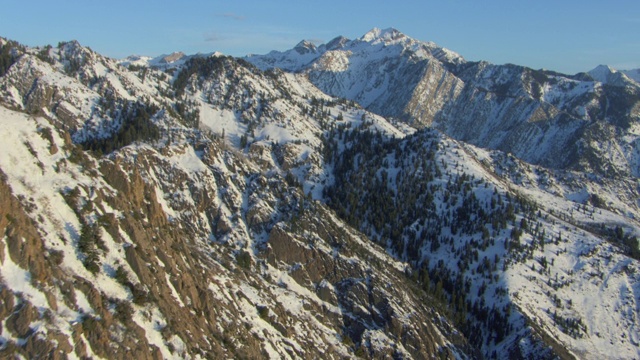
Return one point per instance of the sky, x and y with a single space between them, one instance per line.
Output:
568 36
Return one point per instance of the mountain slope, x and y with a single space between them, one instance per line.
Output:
497 251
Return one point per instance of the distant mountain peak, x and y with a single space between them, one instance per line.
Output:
305 53
378 35
173 60
72 43
74 46
337 43
608 75
173 57
603 67
602 70
305 47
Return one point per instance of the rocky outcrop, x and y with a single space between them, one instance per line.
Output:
362 291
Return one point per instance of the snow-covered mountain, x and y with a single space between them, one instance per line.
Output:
375 45
165 62
543 117
203 207
610 76
633 74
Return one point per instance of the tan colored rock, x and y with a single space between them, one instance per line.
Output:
19 322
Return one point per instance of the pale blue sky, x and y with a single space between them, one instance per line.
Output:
563 35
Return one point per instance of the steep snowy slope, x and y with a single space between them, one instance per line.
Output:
521 268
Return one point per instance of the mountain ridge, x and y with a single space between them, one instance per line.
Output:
426 85
390 37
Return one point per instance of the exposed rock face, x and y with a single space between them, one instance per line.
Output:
173 57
